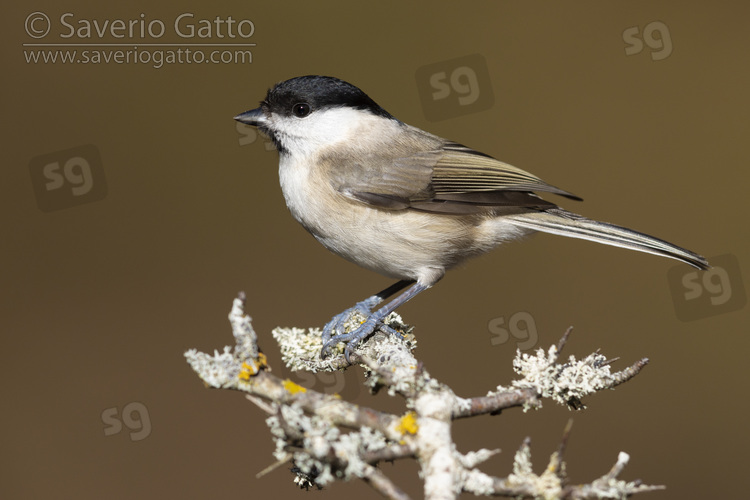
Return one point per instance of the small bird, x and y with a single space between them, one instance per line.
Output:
402 202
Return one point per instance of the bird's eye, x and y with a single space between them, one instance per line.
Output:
301 109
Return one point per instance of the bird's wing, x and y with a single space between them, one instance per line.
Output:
444 178
462 170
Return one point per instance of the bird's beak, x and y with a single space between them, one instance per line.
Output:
254 117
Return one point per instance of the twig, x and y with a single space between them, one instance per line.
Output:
383 485
564 339
497 402
327 438
628 373
390 453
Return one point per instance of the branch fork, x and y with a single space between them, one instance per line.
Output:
326 438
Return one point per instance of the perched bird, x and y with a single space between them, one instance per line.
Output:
402 202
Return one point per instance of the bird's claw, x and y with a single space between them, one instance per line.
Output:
337 324
352 339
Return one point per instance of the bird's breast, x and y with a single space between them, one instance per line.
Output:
402 244
309 198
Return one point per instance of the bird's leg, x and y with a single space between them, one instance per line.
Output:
336 325
374 320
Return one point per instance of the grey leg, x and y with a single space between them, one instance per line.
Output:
374 320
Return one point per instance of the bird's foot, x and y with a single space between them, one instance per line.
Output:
337 325
333 331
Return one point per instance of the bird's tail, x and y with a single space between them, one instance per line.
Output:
562 222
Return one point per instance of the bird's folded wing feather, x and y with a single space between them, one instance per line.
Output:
449 178
464 170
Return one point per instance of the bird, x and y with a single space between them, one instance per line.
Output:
403 202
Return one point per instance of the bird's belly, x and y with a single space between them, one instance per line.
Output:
401 244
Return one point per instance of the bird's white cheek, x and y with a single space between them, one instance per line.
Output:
323 129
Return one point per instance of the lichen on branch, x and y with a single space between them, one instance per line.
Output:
325 438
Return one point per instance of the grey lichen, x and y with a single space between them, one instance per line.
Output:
321 452
300 348
218 371
474 458
548 485
223 369
565 383
328 439
246 340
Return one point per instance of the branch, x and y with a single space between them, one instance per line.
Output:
326 438
565 383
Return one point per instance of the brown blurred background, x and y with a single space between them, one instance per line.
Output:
641 108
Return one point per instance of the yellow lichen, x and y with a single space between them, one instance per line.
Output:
248 371
292 387
408 424
252 367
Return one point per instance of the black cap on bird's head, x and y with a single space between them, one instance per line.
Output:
303 95
319 92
